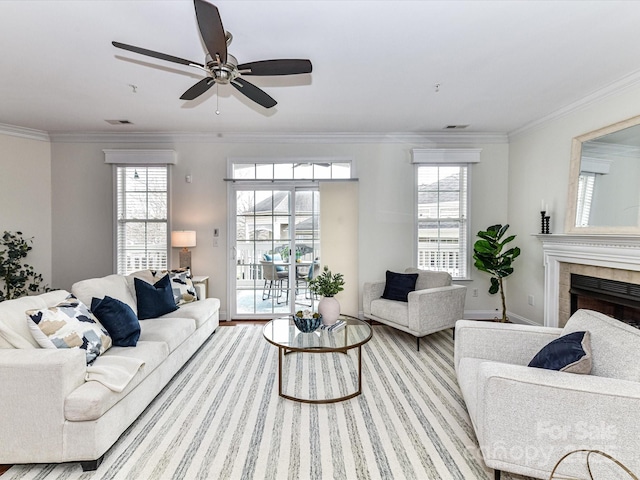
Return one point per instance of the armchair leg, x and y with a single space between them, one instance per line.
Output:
91 465
417 344
496 474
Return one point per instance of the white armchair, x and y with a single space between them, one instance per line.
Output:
527 418
435 304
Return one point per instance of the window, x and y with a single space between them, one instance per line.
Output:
304 169
142 199
442 205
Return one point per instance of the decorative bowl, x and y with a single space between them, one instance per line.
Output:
307 325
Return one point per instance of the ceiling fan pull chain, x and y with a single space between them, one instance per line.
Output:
217 101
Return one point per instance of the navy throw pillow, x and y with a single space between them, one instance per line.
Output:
119 320
154 300
569 353
398 286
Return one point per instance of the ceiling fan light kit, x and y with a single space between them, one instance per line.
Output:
221 67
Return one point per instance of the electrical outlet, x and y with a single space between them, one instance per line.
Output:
475 292
531 300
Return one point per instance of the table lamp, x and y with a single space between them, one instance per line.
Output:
184 239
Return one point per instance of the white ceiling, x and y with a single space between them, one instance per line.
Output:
501 64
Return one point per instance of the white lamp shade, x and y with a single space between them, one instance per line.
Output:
183 238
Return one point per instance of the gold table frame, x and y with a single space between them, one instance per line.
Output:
287 349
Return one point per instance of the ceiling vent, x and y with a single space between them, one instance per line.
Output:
118 122
455 127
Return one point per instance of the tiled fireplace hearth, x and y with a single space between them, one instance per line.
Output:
612 257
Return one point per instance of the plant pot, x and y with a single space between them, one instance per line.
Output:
329 308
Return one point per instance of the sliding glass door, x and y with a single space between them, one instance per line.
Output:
275 252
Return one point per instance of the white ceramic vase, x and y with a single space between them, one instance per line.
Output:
329 308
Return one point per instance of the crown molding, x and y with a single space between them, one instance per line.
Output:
24 132
427 138
613 88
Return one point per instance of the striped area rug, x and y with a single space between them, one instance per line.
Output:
221 417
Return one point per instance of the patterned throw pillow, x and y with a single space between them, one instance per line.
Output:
69 324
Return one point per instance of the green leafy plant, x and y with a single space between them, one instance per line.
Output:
327 284
489 257
19 278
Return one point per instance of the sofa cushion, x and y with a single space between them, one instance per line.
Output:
113 285
570 353
119 320
397 312
430 279
69 324
92 399
398 285
13 326
615 346
172 331
154 300
199 311
14 330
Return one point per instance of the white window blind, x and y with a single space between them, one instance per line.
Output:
586 183
142 200
442 219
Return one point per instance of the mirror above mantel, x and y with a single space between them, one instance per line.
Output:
604 181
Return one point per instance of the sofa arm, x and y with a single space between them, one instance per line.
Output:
502 342
435 309
370 292
35 384
528 418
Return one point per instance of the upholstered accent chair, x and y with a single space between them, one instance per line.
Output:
526 419
435 304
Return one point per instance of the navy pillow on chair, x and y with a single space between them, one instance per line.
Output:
154 300
119 320
569 353
399 285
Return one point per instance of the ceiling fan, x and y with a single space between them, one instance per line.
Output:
221 67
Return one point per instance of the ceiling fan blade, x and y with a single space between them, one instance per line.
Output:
151 53
211 29
276 67
253 93
198 89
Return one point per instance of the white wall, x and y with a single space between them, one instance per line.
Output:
25 196
82 206
539 169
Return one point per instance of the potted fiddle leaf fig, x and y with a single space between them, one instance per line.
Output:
17 278
491 256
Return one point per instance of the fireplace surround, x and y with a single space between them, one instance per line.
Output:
614 257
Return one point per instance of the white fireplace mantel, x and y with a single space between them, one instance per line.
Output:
612 251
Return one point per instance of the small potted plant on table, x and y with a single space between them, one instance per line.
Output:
327 285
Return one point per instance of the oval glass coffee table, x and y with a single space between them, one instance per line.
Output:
283 333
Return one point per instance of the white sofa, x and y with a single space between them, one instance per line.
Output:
435 304
51 413
527 418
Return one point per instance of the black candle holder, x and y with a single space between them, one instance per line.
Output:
545 220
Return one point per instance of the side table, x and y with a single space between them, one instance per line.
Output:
201 282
